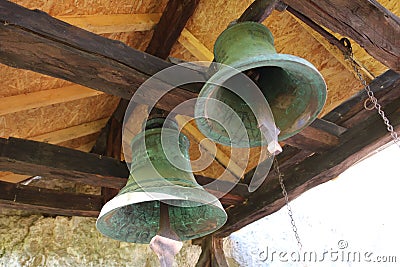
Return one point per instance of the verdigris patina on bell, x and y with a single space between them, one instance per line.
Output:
294 89
134 214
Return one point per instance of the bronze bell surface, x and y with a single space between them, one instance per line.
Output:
293 88
134 214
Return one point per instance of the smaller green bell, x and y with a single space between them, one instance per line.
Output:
291 88
134 214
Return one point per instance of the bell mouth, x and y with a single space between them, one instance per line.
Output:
134 216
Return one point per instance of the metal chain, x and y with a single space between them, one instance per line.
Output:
289 208
371 97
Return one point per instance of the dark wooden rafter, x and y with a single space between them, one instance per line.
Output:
259 10
23 197
33 40
367 22
357 142
36 158
170 26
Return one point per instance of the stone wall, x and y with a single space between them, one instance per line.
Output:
35 240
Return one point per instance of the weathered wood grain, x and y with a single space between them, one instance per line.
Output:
170 26
365 21
43 200
35 158
33 40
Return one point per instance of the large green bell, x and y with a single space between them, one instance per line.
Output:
134 214
292 86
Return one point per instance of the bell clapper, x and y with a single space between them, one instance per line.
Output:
166 244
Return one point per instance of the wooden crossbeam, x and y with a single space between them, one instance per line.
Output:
12 104
43 200
36 158
195 47
366 21
385 88
60 136
320 136
362 138
33 158
136 22
35 41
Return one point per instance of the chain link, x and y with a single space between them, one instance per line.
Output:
289 208
371 97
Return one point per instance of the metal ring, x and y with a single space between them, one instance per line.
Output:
366 104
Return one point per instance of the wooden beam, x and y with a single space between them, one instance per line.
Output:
320 136
33 40
258 11
37 199
12 177
35 158
356 143
113 22
331 44
170 26
385 88
17 103
365 21
58 137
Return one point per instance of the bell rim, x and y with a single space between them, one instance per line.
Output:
131 198
271 60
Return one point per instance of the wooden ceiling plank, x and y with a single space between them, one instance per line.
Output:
43 200
17 103
113 23
169 27
195 47
333 49
13 178
367 22
70 133
356 143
